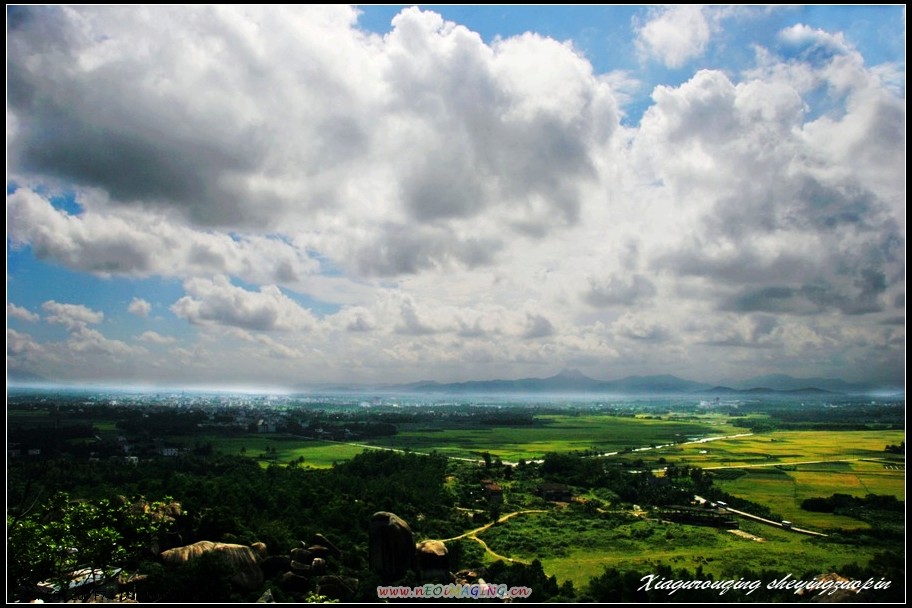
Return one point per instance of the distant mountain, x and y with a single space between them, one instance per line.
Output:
784 382
653 384
567 381
571 381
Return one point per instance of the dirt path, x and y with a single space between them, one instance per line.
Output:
503 518
473 534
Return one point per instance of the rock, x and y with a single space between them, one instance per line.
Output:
342 588
260 549
321 540
433 561
294 583
318 566
302 555
319 551
275 564
392 546
266 598
299 568
242 559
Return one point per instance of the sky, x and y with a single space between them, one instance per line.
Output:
287 195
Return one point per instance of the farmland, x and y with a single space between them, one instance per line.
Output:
575 546
555 433
624 469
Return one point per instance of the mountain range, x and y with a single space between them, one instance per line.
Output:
574 381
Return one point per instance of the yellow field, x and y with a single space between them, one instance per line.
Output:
785 447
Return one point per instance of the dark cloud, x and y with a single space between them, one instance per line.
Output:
864 297
412 324
360 324
537 326
404 249
900 321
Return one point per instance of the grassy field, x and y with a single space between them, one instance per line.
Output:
785 447
783 491
578 548
316 454
554 433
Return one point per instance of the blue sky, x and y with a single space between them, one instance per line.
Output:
284 196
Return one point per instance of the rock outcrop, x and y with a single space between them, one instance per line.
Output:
433 561
392 546
243 560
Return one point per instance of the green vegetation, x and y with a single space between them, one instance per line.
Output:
279 449
581 515
553 433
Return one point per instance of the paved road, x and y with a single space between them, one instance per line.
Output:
763 520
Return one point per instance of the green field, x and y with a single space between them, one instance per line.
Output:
577 548
553 433
783 491
781 469
785 447
316 454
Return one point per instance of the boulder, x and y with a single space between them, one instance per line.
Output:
294 583
342 588
319 551
392 546
243 560
318 566
433 561
275 564
261 550
302 555
322 541
299 568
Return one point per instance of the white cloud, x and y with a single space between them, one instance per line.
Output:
139 307
156 338
20 346
675 35
142 244
472 208
72 316
23 314
398 141
218 302
85 340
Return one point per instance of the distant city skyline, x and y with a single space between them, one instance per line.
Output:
277 196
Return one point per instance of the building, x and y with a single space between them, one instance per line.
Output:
492 491
555 492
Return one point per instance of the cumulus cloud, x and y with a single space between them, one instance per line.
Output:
454 206
537 326
21 346
156 338
139 307
675 35
85 340
217 302
619 290
72 316
142 244
23 314
635 327
427 125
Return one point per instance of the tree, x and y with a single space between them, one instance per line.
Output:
51 542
